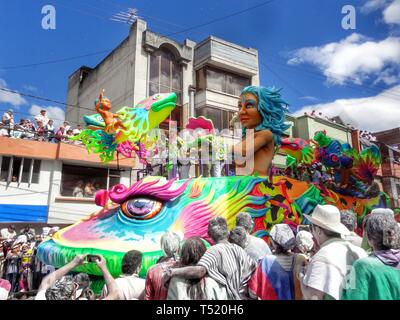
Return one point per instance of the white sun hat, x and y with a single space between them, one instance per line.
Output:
328 217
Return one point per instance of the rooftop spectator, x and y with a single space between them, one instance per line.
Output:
66 125
42 117
40 130
77 130
8 117
60 135
49 129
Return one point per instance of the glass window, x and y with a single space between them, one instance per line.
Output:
201 79
5 164
165 78
15 169
19 164
77 181
114 178
213 114
220 118
154 68
153 89
36 171
176 76
229 83
215 80
165 73
26 170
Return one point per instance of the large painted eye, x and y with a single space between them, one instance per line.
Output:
141 208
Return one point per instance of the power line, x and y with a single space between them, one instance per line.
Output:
219 19
54 61
294 89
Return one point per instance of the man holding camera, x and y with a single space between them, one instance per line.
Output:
59 286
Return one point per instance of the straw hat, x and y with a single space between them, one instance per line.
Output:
328 217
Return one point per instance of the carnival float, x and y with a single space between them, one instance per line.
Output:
135 216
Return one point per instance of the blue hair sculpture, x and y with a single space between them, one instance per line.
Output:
272 109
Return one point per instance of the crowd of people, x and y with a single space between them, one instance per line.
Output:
323 260
41 128
19 268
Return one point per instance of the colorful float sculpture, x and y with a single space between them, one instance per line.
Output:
135 217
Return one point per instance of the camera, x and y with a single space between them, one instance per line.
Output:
92 258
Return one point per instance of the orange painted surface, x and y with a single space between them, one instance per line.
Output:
54 151
28 148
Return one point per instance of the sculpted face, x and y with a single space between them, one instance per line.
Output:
248 111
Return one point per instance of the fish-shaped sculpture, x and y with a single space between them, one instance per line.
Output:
136 122
135 217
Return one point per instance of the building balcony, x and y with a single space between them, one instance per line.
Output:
223 54
24 148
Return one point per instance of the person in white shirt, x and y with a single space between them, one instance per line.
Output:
130 286
42 117
326 275
8 233
77 130
66 126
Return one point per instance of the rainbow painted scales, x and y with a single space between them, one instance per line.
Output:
143 212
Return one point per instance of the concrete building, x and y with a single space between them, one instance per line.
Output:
208 76
389 145
39 181
42 182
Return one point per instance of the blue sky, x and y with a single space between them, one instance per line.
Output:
302 48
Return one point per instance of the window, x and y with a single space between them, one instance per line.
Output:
19 170
398 190
220 118
166 76
77 181
222 81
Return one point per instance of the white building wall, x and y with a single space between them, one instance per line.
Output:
33 194
67 210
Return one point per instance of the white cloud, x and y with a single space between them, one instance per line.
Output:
355 59
14 99
309 98
29 87
377 113
55 113
392 13
373 5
